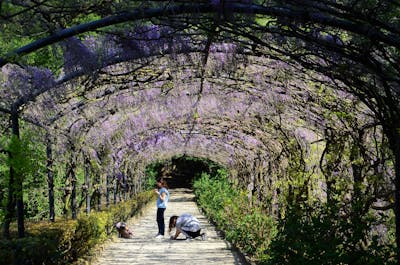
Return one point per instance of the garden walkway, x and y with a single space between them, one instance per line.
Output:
145 249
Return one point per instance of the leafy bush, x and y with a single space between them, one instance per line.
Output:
324 237
30 250
243 222
64 242
315 235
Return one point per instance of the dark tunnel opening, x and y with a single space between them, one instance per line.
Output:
181 171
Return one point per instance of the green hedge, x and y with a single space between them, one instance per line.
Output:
66 241
244 224
318 235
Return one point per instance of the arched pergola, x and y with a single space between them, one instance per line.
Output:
247 84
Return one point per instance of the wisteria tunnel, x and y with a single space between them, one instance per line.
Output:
297 100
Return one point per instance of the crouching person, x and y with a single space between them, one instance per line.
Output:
123 230
186 224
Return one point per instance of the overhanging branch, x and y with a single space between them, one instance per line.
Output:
300 14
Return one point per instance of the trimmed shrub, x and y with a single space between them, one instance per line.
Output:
244 224
66 241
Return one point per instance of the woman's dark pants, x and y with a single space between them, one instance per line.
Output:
160 221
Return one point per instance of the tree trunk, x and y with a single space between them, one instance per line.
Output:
108 190
10 209
98 192
87 185
394 139
73 196
73 182
50 178
115 182
18 180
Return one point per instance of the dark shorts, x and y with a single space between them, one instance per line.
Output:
192 234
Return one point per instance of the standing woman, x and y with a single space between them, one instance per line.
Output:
162 201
